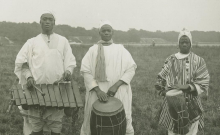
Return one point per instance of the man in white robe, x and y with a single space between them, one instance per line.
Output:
45 59
107 69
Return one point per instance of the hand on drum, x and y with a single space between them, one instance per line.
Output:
102 96
184 88
112 90
30 82
67 75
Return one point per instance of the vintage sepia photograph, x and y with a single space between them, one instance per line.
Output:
109 67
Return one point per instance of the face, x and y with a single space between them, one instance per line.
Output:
47 22
184 44
106 32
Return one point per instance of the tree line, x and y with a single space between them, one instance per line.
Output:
20 32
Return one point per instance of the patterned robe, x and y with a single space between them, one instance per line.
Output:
189 70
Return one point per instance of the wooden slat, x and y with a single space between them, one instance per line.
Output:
21 94
52 95
16 95
28 95
58 95
70 94
64 95
77 95
34 96
40 97
47 96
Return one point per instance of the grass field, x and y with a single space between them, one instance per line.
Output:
145 101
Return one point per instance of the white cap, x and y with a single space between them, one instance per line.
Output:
104 22
48 12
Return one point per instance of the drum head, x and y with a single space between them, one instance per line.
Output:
174 92
111 106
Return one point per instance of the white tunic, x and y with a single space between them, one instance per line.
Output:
119 66
47 61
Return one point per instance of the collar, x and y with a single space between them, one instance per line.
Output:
45 35
105 42
181 55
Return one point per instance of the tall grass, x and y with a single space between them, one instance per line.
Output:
145 100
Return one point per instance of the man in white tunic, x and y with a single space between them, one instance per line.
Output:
45 59
107 69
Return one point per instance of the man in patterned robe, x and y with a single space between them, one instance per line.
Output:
187 72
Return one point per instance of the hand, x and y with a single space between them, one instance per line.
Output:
112 90
184 88
67 75
30 82
157 86
102 96
68 111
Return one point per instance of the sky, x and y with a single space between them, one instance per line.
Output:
151 15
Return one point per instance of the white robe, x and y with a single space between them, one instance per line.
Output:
119 66
46 62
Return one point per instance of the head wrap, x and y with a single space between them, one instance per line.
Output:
187 33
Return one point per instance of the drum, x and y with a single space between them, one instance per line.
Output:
182 110
108 118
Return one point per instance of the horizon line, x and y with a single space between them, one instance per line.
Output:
113 29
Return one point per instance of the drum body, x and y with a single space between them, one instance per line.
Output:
183 110
108 118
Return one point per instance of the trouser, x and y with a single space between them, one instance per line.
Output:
51 118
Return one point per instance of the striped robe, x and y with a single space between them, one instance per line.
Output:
189 70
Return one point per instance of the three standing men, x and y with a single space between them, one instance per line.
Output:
45 59
107 69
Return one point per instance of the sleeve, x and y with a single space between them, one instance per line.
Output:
201 78
130 67
128 75
22 58
25 71
86 71
69 59
89 81
166 68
